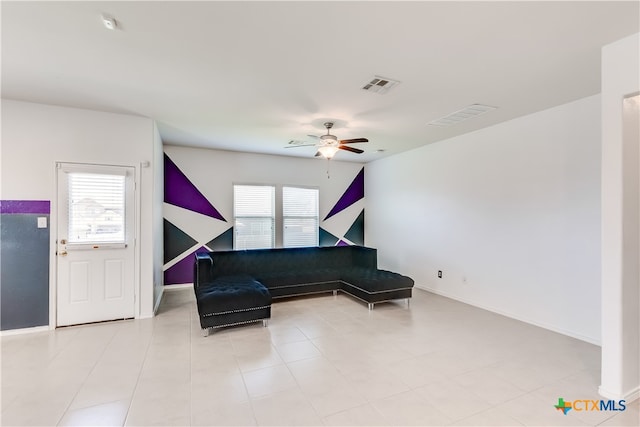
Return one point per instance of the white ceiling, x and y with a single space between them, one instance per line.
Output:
250 76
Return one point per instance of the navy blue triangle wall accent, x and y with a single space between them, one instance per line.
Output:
355 233
327 239
176 241
224 242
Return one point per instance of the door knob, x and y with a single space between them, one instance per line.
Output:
62 253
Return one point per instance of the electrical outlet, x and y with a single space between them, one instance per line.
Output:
440 274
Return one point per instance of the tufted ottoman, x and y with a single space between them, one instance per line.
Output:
374 286
232 300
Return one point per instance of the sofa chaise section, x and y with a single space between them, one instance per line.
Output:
230 300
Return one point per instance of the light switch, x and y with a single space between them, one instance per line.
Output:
42 222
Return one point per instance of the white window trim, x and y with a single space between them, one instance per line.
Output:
316 217
273 217
278 226
115 199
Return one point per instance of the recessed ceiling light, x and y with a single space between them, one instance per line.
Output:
466 113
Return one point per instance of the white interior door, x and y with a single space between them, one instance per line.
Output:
95 244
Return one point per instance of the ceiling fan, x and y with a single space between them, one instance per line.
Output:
329 144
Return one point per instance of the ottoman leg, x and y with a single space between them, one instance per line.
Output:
205 332
370 306
265 322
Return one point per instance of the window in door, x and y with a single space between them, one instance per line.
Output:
96 208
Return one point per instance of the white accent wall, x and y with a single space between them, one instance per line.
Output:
620 221
36 136
510 214
214 172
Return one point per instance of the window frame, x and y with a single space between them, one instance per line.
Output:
85 183
315 217
273 215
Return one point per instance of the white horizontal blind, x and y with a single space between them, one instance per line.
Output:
300 216
96 208
254 216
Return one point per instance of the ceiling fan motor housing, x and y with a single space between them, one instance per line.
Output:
329 139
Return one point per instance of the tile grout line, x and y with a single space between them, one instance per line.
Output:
244 382
190 331
87 377
133 393
286 364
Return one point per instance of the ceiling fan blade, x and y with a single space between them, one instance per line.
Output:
300 145
354 140
353 150
313 136
318 154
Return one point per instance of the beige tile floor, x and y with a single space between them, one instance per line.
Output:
323 360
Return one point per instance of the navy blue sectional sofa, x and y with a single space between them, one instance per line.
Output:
234 287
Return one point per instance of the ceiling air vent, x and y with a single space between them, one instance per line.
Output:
466 113
380 85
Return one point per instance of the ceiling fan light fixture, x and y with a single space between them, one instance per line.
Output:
329 144
328 151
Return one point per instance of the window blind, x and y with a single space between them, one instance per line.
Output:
96 208
254 216
300 216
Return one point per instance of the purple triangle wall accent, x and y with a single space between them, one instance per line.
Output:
181 192
352 194
182 271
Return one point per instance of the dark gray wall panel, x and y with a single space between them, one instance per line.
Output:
176 241
224 242
24 271
355 233
326 238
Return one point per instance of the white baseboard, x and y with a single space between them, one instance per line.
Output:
628 397
169 288
157 302
178 286
21 331
590 340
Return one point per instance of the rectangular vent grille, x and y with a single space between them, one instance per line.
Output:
466 113
380 85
